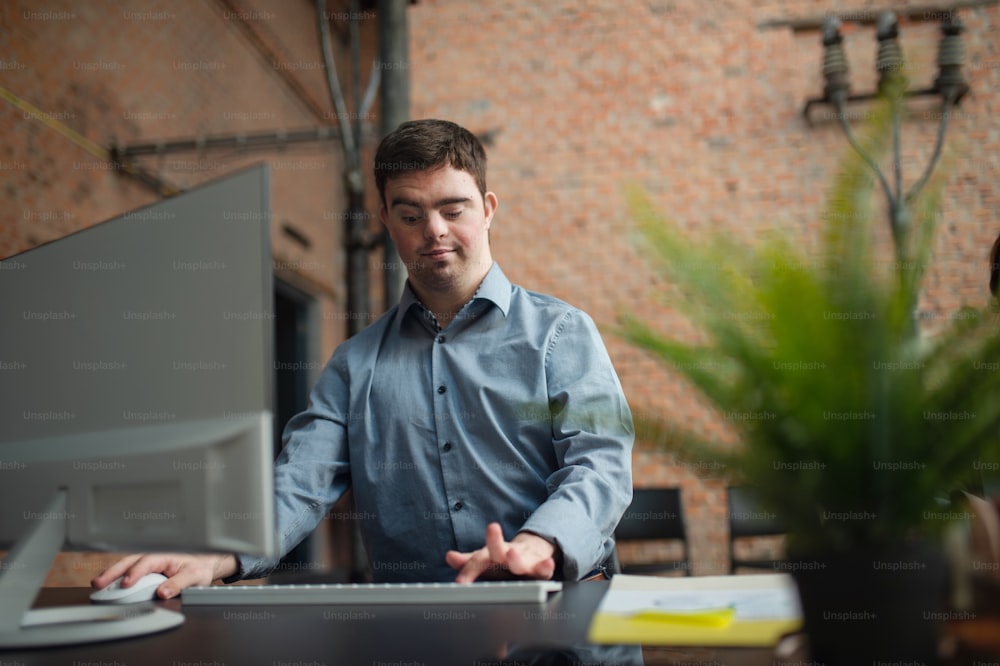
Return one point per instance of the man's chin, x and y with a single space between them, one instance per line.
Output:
437 276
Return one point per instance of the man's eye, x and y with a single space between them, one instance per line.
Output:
410 219
453 214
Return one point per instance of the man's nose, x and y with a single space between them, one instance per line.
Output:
436 227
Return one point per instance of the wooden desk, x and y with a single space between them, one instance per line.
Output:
475 635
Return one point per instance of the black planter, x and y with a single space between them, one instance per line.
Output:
880 606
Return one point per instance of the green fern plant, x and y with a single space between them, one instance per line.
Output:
852 426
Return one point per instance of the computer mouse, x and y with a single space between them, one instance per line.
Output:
143 590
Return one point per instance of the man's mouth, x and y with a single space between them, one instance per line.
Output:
437 254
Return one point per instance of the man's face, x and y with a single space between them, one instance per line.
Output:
439 222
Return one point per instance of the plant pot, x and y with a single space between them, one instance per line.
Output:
873 606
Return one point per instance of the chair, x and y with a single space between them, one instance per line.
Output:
655 515
748 520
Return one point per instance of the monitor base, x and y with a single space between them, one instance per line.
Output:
72 625
22 575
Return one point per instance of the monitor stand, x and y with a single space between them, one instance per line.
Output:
22 575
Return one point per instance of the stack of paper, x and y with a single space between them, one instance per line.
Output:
751 610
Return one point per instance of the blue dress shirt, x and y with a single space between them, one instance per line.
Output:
512 413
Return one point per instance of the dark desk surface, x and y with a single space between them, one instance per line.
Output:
475 635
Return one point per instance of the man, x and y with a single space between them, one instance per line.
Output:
472 412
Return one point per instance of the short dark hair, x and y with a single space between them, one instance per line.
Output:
421 145
995 268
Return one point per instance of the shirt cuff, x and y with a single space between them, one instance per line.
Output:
249 567
582 545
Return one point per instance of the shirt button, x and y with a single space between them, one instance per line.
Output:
441 339
441 389
458 506
447 446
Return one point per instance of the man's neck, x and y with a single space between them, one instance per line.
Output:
445 307
446 304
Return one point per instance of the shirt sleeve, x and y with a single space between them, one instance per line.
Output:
592 435
313 469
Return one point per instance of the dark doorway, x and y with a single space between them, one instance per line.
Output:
292 382
291 355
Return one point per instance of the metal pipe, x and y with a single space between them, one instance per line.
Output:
862 16
394 58
241 141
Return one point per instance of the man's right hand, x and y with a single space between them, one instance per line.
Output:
181 570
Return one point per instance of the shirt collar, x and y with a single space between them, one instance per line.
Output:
495 287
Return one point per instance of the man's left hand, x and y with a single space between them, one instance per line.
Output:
526 556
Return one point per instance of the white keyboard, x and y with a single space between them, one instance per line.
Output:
490 592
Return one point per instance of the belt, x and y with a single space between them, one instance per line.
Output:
600 573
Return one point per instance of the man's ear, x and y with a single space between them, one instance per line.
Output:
490 205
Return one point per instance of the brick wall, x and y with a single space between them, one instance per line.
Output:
703 109
145 71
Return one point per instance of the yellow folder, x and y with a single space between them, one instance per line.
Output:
751 610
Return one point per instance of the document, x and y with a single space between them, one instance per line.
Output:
750 610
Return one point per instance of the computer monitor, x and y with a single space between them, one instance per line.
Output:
137 388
